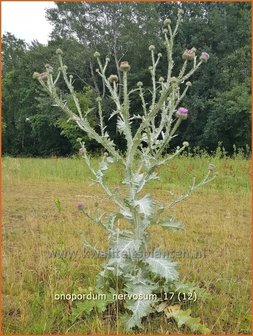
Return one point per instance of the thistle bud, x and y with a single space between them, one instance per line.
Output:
43 76
185 143
159 55
165 31
189 54
167 22
124 66
211 167
36 75
173 79
82 150
49 68
182 113
151 48
96 54
107 59
139 84
150 68
204 56
113 78
161 79
188 83
59 51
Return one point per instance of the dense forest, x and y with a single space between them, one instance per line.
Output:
219 100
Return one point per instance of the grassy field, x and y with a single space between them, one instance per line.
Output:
40 216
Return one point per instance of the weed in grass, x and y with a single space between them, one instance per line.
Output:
34 227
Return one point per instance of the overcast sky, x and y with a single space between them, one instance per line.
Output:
26 19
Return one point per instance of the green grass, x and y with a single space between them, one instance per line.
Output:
234 173
40 215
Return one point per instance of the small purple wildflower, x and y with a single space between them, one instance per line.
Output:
211 167
80 205
204 56
182 113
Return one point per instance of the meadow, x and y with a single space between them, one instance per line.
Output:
40 220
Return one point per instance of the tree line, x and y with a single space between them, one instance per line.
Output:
219 101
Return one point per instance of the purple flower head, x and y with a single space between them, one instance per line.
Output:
80 205
211 167
182 113
204 56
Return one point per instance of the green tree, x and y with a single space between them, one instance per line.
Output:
223 30
220 96
30 119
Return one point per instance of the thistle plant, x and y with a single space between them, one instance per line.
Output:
131 268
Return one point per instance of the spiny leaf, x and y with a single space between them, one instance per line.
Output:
143 305
128 322
111 219
145 205
121 125
140 288
183 317
116 265
153 176
83 307
87 306
127 213
101 305
163 267
137 178
113 114
125 246
139 308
